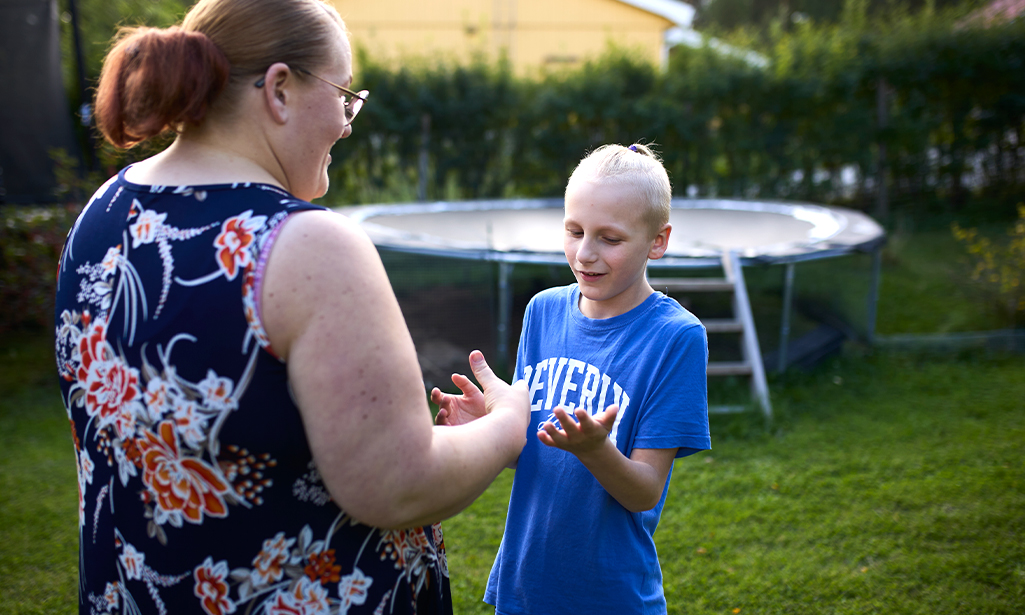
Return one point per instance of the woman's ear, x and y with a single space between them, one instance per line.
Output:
660 243
277 90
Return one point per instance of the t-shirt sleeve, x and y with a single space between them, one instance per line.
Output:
675 414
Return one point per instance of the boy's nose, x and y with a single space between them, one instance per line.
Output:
586 252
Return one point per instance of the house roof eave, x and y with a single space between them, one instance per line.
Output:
680 13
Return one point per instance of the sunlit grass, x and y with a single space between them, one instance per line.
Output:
38 488
889 482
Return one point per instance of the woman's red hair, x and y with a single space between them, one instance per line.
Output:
154 80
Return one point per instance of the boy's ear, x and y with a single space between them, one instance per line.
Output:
660 243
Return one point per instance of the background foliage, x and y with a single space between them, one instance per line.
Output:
932 107
851 91
926 101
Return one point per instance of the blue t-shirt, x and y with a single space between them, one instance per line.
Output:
569 546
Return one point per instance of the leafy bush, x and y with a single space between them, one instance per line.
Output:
31 239
924 109
999 269
931 107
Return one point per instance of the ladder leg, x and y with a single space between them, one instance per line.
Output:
752 352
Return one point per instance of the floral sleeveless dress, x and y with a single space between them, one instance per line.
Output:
197 489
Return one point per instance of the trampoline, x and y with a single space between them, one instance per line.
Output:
529 231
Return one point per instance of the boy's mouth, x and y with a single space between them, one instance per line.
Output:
590 276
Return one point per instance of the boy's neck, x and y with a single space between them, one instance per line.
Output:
616 306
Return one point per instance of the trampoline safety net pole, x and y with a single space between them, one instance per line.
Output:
873 294
504 314
784 327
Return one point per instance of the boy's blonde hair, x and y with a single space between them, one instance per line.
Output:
637 164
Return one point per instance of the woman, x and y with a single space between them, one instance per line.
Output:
245 400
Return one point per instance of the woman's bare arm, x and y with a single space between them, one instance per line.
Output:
330 312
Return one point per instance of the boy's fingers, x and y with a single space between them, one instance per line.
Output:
564 417
552 433
465 384
608 418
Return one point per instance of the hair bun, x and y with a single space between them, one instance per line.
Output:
157 79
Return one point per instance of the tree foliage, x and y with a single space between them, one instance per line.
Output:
919 103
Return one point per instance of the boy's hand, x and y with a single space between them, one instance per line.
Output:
465 408
583 435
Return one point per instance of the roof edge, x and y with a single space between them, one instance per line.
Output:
680 13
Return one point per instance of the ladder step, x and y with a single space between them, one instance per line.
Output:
729 368
694 285
722 325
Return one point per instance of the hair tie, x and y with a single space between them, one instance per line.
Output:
632 148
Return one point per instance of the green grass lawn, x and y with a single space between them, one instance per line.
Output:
38 487
888 483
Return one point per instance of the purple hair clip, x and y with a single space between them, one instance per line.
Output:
632 148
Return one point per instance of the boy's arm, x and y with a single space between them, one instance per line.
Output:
635 482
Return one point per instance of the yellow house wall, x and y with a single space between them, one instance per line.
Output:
534 33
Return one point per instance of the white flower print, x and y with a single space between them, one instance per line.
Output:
353 589
110 262
147 226
216 392
85 468
190 424
125 467
159 398
133 562
268 565
311 597
110 596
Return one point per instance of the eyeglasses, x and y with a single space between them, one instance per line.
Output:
352 105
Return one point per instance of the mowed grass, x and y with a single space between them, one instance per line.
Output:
38 486
888 483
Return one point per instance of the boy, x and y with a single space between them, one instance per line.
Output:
616 374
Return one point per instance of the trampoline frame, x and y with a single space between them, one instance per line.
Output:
842 242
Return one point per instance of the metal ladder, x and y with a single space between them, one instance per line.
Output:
742 323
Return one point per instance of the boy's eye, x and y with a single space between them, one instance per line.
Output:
612 240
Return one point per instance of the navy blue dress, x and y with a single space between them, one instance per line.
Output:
197 488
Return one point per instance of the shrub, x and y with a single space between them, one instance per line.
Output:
31 239
1000 269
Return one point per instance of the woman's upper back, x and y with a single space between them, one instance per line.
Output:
197 484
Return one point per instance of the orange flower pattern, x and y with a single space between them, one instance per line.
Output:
237 235
189 449
212 587
183 487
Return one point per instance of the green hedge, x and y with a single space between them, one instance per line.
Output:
947 139
31 239
951 124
